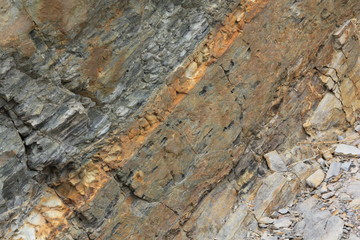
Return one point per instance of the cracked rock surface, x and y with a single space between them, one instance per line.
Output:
327 211
179 119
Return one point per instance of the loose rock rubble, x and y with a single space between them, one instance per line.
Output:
329 206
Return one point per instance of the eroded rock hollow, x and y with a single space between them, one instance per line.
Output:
167 119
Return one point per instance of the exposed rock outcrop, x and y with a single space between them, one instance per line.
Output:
169 119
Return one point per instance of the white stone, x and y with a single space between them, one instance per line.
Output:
283 210
347 150
53 214
266 220
52 202
282 223
315 179
122 111
27 232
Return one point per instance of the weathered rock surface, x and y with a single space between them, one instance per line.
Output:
347 150
315 179
151 119
329 212
275 162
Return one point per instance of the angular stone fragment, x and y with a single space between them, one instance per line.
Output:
266 220
327 115
334 170
282 223
357 128
328 195
347 150
275 162
327 155
315 179
346 166
283 210
268 191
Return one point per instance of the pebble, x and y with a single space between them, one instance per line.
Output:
327 155
283 211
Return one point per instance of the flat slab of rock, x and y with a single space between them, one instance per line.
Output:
315 179
334 170
328 195
346 166
347 150
266 220
283 211
275 162
282 223
334 228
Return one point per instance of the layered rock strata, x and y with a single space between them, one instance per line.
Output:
150 119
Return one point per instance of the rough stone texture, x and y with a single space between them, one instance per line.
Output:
334 170
347 150
275 162
315 179
150 119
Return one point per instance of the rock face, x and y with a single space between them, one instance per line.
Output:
169 119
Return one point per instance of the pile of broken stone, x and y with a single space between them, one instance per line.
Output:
329 207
